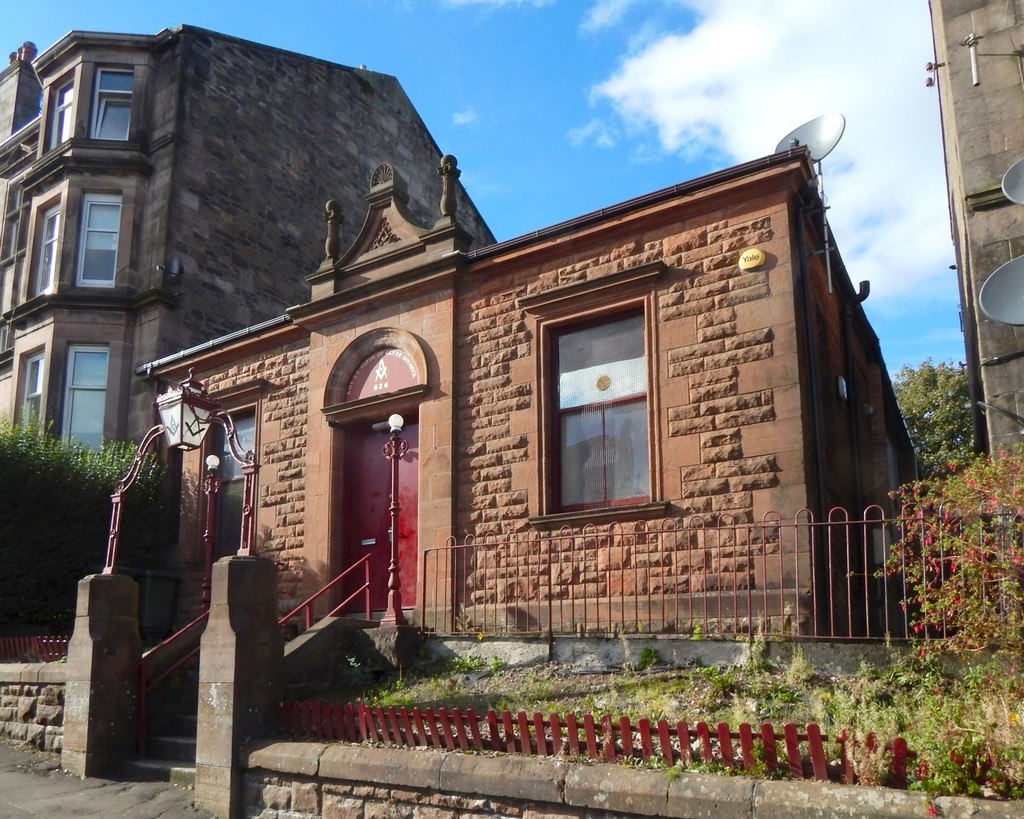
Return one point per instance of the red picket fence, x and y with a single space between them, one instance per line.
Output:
33 649
603 739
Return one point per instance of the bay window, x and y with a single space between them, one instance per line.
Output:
85 395
97 255
32 388
112 104
46 273
62 126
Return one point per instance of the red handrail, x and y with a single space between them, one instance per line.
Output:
147 683
306 606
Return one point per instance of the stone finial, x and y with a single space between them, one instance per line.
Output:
449 172
332 215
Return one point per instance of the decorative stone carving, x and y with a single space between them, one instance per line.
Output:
385 235
449 172
382 175
332 214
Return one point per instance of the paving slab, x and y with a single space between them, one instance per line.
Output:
33 785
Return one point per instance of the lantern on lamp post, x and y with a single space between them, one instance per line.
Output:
394 450
186 413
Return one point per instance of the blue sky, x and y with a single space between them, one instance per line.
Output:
556 108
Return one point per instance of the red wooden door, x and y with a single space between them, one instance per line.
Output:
367 512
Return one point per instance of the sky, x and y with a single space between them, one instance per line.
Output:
556 108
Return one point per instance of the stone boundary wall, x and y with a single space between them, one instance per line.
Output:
32 704
289 780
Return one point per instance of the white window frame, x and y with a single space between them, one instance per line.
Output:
49 240
106 98
72 390
33 384
62 126
88 202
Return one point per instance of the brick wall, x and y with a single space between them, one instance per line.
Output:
32 705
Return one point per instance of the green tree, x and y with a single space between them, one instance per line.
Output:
55 519
936 406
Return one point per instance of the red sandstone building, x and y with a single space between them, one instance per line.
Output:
564 394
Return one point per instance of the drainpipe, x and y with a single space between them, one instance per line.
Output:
804 290
852 392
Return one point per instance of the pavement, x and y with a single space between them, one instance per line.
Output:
33 785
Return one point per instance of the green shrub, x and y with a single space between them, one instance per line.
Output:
963 558
55 521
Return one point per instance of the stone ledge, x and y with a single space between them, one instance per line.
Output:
604 787
516 777
382 766
33 673
285 757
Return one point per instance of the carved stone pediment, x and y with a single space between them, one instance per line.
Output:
389 243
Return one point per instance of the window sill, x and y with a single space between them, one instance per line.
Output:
608 514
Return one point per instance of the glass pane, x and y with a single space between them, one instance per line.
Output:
116 81
98 265
245 425
583 458
104 216
626 451
85 417
603 362
89 368
50 225
34 379
229 519
114 119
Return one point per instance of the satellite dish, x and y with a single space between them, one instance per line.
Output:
1001 297
1013 182
820 135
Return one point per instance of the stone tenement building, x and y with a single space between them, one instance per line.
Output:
676 355
157 191
983 133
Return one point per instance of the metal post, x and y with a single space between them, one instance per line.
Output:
117 497
394 450
211 486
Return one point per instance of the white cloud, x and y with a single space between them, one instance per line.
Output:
750 71
595 131
464 117
605 13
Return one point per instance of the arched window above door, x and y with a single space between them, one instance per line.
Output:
386 366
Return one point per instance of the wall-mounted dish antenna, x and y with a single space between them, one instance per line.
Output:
819 136
1001 297
1013 182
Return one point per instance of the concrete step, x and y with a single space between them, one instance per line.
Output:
160 770
181 749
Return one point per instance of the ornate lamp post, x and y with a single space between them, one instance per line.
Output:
394 450
211 486
186 413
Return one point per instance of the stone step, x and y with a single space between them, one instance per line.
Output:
160 770
177 748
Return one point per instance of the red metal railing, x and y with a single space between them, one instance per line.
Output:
161 662
33 649
794 577
306 606
803 752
